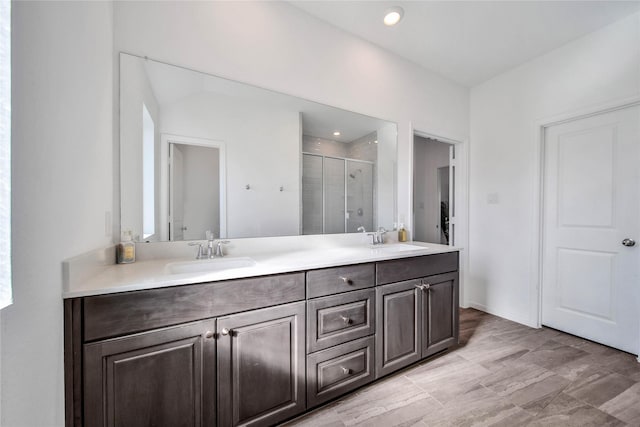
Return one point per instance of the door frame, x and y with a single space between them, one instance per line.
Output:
460 187
165 140
537 247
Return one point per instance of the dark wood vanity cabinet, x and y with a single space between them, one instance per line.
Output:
416 317
439 312
261 366
399 308
165 377
193 355
254 351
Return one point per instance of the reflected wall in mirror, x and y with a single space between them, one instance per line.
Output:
200 153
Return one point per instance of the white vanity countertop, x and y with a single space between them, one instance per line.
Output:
154 273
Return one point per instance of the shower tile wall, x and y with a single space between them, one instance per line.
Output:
324 147
359 196
364 148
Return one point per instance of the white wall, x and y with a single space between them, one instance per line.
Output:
62 186
262 151
428 156
599 68
279 47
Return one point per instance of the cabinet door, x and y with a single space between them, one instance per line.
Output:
261 366
165 377
440 313
398 326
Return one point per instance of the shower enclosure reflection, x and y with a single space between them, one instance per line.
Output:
338 184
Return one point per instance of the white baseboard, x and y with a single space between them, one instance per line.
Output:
522 320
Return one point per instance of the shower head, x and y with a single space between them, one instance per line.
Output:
353 175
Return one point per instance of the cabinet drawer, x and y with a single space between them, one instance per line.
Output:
340 318
338 370
398 270
118 314
339 279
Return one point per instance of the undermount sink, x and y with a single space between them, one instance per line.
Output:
397 247
208 265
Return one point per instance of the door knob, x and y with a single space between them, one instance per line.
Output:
629 242
225 331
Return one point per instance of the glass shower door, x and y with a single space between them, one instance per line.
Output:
312 194
334 193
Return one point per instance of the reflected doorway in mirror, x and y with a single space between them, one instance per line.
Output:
192 188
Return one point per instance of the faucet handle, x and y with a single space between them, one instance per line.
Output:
219 244
200 254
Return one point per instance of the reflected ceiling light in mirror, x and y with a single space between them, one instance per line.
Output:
393 15
336 133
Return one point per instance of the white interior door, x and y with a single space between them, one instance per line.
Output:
176 192
591 204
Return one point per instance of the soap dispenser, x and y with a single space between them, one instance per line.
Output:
402 233
126 249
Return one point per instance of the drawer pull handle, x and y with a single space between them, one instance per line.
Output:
209 334
345 280
225 331
346 320
345 371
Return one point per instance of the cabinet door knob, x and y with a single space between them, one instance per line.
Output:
225 331
345 319
427 286
209 334
345 371
345 280
421 287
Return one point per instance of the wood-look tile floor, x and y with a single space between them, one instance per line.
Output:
501 374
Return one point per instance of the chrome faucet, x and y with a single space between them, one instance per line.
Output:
213 249
377 237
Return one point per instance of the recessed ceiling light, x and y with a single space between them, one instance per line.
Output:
336 133
393 15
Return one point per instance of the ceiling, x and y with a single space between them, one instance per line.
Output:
471 41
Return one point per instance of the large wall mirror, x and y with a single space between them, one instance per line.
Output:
200 154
